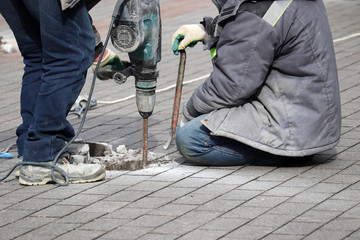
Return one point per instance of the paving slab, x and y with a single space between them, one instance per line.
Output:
317 199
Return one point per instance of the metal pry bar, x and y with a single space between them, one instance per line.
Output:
177 99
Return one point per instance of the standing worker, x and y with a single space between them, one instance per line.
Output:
57 43
273 92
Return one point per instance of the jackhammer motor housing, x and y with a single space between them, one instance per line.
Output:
137 31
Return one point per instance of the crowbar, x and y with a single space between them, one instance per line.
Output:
178 90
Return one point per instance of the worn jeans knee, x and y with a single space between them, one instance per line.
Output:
198 145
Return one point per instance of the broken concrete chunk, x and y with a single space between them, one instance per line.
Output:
99 149
79 149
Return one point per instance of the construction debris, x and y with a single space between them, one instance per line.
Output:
120 159
129 159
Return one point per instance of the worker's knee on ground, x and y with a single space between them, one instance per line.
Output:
181 139
188 145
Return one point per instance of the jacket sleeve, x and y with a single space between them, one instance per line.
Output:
245 52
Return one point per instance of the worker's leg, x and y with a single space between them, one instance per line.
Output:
27 33
67 52
196 144
57 48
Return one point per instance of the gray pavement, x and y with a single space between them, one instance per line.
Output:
317 199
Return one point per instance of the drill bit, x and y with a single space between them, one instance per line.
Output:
145 141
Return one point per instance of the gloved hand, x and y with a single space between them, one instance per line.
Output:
188 36
109 64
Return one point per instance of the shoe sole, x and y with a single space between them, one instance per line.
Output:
36 181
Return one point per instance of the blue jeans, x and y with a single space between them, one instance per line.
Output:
57 48
197 145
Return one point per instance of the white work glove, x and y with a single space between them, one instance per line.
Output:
188 36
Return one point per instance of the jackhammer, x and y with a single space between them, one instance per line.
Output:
136 30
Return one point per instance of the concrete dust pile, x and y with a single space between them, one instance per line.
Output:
128 159
120 159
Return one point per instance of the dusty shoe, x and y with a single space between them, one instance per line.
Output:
109 64
77 173
17 172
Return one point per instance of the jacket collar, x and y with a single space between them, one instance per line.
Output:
219 3
227 8
226 3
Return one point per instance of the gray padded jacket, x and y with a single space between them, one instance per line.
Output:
274 84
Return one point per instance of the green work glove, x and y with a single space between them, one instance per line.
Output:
187 36
109 64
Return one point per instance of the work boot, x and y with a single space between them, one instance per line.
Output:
109 64
77 173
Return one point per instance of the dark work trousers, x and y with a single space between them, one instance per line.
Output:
57 48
